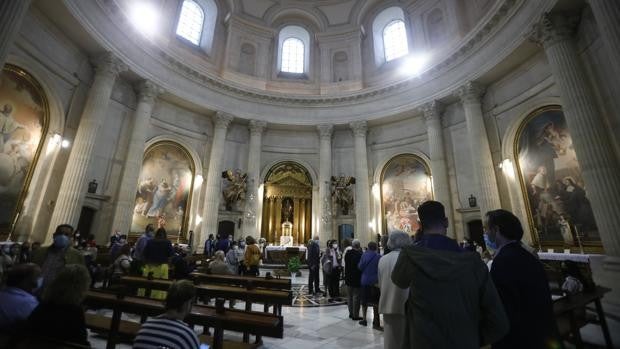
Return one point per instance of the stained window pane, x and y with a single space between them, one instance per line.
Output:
395 40
293 56
191 21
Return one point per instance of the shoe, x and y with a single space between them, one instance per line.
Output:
378 327
357 318
350 316
363 323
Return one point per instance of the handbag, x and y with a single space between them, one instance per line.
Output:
327 267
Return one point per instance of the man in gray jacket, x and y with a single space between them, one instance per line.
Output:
452 300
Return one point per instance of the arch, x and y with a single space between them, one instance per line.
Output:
309 169
390 25
277 15
24 120
295 38
198 26
405 182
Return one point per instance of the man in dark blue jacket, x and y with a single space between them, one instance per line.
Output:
522 285
314 262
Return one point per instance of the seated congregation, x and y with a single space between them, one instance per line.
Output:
431 291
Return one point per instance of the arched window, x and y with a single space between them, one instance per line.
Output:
395 40
293 50
191 22
293 56
389 33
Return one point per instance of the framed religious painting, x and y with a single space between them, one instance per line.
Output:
164 190
24 119
405 184
556 196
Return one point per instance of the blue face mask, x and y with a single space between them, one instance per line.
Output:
61 241
490 244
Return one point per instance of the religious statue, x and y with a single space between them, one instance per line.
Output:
235 190
343 193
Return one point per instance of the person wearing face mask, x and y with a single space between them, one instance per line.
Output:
60 253
522 284
168 329
16 299
232 258
332 267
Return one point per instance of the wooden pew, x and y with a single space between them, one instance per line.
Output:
244 281
258 323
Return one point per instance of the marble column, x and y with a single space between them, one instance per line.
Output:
12 14
362 187
253 181
594 150
123 213
277 225
481 159
73 187
325 172
437 153
607 15
214 176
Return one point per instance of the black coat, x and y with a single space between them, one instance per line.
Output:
61 322
314 255
352 274
524 289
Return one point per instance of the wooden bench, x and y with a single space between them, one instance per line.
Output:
260 324
244 281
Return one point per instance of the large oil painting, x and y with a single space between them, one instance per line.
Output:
23 123
405 184
556 195
164 189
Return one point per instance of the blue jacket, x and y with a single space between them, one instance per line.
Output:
369 265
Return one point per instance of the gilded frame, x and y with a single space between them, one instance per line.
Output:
415 157
186 215
36 86
588 247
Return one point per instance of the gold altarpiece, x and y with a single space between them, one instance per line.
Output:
287 199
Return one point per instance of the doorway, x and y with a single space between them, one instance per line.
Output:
225 228
85 224
475 232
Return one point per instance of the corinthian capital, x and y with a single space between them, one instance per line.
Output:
359 128
325 131
257 126
222 120
432 111
109 64
471 92
148 91
554 28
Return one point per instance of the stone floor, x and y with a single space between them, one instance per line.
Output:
328 327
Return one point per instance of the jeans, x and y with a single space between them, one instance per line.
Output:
313 279
353 301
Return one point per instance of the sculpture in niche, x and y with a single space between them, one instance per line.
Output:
235 189
435 27
340 66
24 116
247 59
342 192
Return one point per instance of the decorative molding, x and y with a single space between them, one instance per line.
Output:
257 127
470 93
222 120
108 64
360 128
432 111
148 91
554 27
325 131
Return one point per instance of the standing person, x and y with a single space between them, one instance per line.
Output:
168 329
353 279
251 259
138 253
16 299
53 258
60 315
224 244
232 258
314 265
332 267
156 255
522 285
393 298
346 247
452 301
369 266
209 246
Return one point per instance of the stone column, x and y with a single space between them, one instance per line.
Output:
484 170
73 187
325 172
147 93
12 14
439 169
277 224
256 135
607 15
362 188
594 150
214 176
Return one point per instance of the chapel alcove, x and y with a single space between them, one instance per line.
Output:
287 204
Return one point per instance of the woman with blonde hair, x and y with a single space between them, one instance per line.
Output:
60 315
251 258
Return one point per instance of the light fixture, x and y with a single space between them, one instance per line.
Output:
144 16
414 64
65 143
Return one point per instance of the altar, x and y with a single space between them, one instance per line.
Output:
280 254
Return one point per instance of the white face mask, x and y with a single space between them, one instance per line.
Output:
334 246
